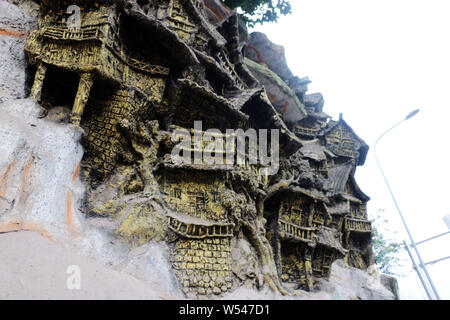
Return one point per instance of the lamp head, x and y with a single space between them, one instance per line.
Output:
447 221
412 114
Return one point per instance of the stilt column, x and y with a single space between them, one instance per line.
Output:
84 87
308 268
36 89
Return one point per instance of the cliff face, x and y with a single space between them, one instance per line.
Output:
121 142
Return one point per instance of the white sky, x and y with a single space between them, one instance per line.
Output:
375 61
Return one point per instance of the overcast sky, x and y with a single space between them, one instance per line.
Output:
375 61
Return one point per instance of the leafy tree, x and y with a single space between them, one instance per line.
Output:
385 250
260 11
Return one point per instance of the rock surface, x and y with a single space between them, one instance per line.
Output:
15 25
40 269
281 96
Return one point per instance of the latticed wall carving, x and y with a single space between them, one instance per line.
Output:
203 267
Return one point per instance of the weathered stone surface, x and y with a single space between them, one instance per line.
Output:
345 283
391 284
218 9
15 24
150 264
268 54
40 188
37 269
263 51
314 100
280 94
32 267
353 284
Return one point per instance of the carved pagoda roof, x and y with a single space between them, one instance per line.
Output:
199 18
339 176
191 87
312 149
263 114
177 49
363 147
357 190
330 238
311 193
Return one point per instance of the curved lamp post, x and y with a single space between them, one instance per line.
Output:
413 244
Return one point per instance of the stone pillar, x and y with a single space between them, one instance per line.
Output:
308 268
84 87
36 89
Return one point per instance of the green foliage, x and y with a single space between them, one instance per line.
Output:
385 250
260 11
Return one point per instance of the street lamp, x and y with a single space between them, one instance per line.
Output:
413 244
447 221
